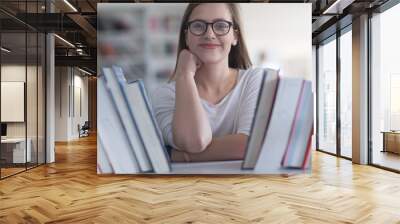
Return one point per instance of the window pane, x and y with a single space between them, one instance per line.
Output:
31 97
346 94
386 88
13 87
327 97
32 88
41 98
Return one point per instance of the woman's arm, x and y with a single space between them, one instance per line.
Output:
191 129
229 147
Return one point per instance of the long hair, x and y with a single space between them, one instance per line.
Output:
238 56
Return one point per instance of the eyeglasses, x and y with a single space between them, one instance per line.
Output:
199 27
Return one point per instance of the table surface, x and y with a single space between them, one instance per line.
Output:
228 167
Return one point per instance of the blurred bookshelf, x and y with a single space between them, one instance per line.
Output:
140 38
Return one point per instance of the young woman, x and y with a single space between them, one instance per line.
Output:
205 113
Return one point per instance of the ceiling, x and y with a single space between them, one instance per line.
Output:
77 23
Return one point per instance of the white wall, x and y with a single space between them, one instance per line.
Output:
12 73
12 101
80 83
33 126
61 103
283 32
70 83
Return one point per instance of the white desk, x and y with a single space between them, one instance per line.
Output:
18 149
228 167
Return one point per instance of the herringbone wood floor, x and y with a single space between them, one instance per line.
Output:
70 191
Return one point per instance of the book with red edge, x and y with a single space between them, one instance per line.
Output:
279 128
302 125
307 155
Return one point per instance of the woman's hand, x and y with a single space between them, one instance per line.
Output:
191 131
178 156
188 63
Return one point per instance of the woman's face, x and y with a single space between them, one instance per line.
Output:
210 47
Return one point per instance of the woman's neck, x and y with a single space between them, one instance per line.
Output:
214 77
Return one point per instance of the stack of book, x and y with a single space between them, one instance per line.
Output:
129 139
283 125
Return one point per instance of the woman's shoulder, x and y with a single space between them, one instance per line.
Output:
252 75
253 71
164 90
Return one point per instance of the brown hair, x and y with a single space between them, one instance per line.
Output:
238 56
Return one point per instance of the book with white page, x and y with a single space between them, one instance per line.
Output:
139 107
103 162
111 134
265 103
282 118
117 91
299 141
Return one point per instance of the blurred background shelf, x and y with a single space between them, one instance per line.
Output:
142 40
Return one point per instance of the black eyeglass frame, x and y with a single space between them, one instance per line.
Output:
231 24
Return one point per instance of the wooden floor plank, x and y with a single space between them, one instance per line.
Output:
70 191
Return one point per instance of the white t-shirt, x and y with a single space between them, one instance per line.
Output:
232 115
